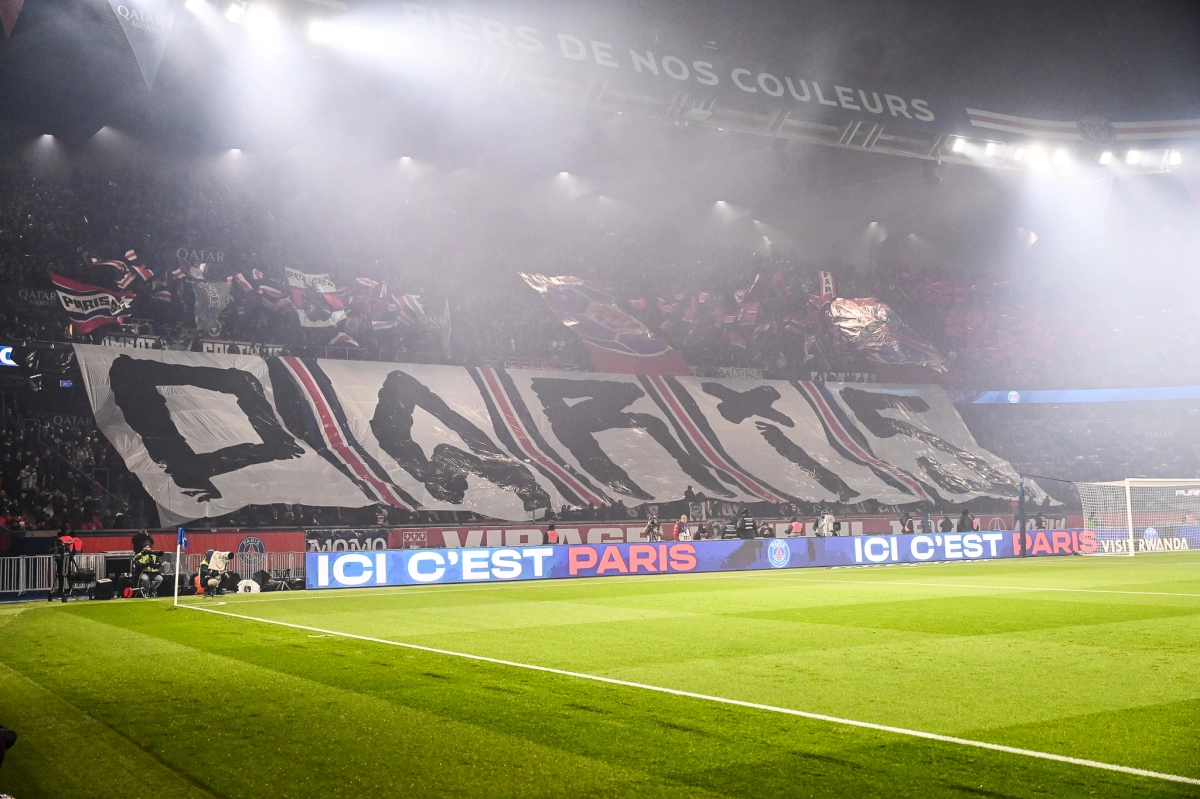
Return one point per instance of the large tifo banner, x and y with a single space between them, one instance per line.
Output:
208 434
424 566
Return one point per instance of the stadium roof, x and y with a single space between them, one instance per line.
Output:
68 68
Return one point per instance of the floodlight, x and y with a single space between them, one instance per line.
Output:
319 31
261 18
195 6
959 145
1019 154
1061 157
990 149
1133 157
1175 158
235 11
1106 157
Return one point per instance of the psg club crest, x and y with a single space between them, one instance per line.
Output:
252 545
778 553
253 551
1097 130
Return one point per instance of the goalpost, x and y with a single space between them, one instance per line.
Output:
1142 515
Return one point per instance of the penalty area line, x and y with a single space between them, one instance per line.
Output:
931 736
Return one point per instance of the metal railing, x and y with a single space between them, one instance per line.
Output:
33 573
247 564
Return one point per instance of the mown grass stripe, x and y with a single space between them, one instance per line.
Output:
776 576
1012 750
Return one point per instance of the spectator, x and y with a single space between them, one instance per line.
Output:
967 522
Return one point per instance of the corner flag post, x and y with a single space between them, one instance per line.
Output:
181 543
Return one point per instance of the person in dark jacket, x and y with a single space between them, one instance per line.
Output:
966 522
142 539
746 526
7 739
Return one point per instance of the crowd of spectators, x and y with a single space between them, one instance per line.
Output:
742 306
1084 442
719 305
58 472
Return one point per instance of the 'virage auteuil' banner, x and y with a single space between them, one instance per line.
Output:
503 564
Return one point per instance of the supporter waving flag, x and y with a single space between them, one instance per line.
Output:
91 307
617 341
316 299
875 330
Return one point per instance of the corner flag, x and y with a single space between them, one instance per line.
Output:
181 543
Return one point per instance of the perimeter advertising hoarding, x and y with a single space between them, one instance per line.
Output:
502 564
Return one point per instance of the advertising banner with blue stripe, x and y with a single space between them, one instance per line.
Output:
505 564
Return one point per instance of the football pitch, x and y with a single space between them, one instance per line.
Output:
1048 677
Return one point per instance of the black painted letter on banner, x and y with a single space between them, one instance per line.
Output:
867 406
737 406
445 474
135 384
600 406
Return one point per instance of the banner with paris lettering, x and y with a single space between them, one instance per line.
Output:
209 434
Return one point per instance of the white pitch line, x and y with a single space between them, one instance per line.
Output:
776 576
932 736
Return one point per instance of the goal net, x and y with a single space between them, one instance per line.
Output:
1140 515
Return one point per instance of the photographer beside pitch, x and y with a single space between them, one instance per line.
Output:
147 570
213 571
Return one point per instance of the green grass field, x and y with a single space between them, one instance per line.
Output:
132 698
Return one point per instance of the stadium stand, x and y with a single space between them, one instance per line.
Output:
721 307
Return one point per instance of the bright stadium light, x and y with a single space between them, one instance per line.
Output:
990 149
1175 158
1106 157
1037 156
195 6
1133 157
261 18
1061 157
320 31
959 145
235 11
1019 154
